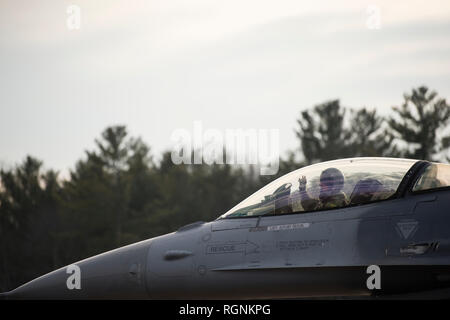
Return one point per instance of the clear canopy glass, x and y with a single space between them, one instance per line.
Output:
436 175
326 185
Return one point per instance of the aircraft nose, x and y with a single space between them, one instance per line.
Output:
117 274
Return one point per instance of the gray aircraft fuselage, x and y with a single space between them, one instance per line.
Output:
312 254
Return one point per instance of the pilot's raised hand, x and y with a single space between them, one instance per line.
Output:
302 183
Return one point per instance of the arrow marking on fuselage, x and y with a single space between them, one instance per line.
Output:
230 247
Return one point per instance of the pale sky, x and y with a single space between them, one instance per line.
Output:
157 66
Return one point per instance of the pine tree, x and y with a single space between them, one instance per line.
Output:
329 132
369 136
322 133
417 123
29 223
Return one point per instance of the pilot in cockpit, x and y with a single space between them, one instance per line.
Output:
331 194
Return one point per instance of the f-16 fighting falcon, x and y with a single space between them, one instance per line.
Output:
353 227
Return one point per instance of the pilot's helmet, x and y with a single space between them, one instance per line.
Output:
332 178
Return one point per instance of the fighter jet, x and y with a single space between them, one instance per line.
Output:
359 227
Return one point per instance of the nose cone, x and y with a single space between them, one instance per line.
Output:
117 274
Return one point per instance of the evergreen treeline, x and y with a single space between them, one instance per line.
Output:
118 195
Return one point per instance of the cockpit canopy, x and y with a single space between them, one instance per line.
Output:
435 176
336 184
